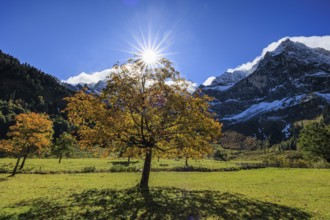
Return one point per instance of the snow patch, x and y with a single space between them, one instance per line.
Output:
286 131
268 106
228 78
232 100
326 96
276 87
219 88
320 74
209 80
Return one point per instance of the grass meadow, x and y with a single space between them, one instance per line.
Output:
100 165
269 193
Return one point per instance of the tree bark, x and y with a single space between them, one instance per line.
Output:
16 166
128 160
144 183
59 161
186 161
25 156
23 162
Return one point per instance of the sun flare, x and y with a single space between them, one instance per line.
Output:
150 57
150 50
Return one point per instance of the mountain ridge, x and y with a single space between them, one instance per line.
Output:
286 82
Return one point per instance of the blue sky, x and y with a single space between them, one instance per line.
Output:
65 38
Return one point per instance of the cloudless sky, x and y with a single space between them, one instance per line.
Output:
206 37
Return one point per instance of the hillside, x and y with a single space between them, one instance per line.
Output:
39 91
25 88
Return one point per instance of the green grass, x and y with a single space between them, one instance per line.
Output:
78 165
264 193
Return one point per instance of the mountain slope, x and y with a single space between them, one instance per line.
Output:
288 84
38 91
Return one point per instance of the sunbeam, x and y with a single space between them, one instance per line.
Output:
149 49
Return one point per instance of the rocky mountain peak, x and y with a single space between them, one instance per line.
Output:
295 51
287 84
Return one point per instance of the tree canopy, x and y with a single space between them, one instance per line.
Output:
32 132
315 140
64 144
146 108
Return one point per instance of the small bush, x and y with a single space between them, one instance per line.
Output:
292 159
120 168
220 155
5 168
321 164
247 166
163 164
90 169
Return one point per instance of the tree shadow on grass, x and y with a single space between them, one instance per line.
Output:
3 179
159 203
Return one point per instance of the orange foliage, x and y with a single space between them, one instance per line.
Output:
32 132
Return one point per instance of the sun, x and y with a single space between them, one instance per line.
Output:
150 57
149 50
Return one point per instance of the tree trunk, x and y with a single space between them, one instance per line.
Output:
128 160
186 161
144 183
23 162
59 161
25 156
16 166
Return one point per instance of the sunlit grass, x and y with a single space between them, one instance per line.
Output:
47 165
304 189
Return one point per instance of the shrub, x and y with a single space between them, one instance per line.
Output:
163 164
90 169
293 159
4 168
120 168
220 155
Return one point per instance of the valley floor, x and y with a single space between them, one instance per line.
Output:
269 193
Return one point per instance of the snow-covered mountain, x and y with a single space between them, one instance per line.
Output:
233 75
95 88
226 80
289 82
80 81
95 82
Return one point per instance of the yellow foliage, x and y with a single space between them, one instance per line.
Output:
32 132
140 110
6 146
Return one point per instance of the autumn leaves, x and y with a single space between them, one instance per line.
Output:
31 134
141 113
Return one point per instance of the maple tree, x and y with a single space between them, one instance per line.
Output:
31 133
146 108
